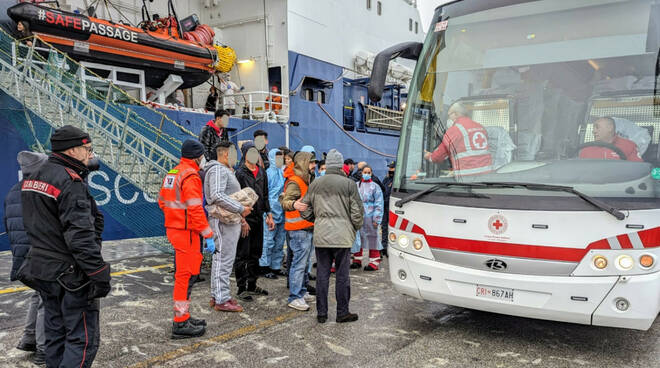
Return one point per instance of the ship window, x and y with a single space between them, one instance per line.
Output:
368 4
416 27
308 94
320 96
379 8
410 21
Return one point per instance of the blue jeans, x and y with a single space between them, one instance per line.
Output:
273 250
301 245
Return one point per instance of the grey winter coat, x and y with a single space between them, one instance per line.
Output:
336 209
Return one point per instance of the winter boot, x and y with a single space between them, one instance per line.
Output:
374 260
356 260
185 329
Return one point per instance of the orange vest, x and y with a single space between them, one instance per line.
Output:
183 209
292 219
276 106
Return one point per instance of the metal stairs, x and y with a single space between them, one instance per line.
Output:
50 85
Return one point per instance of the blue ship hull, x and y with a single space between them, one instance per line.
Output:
129 213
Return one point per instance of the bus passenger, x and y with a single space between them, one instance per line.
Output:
465 144
605 132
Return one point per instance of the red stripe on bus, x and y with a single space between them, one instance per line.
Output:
624 241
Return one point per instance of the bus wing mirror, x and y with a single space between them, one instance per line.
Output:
407 50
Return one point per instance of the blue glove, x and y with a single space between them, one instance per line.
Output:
210 245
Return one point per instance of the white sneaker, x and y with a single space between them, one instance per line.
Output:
299 304
309 298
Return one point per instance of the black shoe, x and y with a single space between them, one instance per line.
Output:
39 358
245 296
314 266
310 289
350 317
26 346
383 253
271 275
370 268
322 319
199 279
197 322
311 277
355 266
278 272
185 330
257 291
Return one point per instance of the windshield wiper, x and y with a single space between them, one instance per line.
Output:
437 186
560 188
530 186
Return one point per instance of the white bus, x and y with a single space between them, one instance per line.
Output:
528 172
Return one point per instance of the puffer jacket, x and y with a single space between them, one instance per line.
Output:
259 183
336 209
18 237
275 187
372 198
210 136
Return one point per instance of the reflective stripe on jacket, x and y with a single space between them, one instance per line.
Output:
466 145
181 199
292 219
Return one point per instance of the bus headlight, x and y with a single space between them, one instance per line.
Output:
418 244
625 262
392 237
646 261
600 262
403 241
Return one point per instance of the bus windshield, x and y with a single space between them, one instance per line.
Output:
555 92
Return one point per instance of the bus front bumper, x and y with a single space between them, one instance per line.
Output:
615 301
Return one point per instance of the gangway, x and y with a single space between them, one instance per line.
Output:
52 86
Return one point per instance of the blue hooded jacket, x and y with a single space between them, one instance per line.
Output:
275 187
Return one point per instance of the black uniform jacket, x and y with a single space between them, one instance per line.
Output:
260 185
63 224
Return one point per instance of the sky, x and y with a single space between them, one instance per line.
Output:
426 8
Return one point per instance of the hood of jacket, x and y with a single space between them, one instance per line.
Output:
301 165
271 157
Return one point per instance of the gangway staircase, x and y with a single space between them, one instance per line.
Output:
51 85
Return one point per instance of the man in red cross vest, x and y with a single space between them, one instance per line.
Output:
465 144
181 201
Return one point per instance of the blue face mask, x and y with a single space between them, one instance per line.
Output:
322 172
366 177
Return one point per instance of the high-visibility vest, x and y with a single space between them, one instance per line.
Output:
183 213
292 219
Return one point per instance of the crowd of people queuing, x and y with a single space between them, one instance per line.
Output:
325 211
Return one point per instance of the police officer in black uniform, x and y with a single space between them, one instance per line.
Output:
65 263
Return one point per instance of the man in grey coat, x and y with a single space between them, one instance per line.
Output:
219 183
334 204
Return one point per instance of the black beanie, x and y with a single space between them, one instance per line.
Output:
67 137
191 148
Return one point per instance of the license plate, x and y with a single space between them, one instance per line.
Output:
494 293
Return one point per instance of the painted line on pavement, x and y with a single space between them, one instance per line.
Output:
231 335
118 273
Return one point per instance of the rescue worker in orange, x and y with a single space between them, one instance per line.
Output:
277 101
181 201
465 144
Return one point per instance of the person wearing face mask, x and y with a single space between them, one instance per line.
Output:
387 183
321 168
300 231
465 143
372 199
180 199
273 250
64 263
213 132
219 184
250 244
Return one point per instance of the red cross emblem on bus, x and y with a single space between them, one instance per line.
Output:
479 140
498 224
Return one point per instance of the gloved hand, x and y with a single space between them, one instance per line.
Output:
210 245
99 289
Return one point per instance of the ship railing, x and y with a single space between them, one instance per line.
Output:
259 105
139 146
380 117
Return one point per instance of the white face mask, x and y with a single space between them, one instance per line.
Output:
449 123
202 162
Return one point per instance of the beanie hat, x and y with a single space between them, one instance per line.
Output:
67 137
334 159
30 161
191 148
